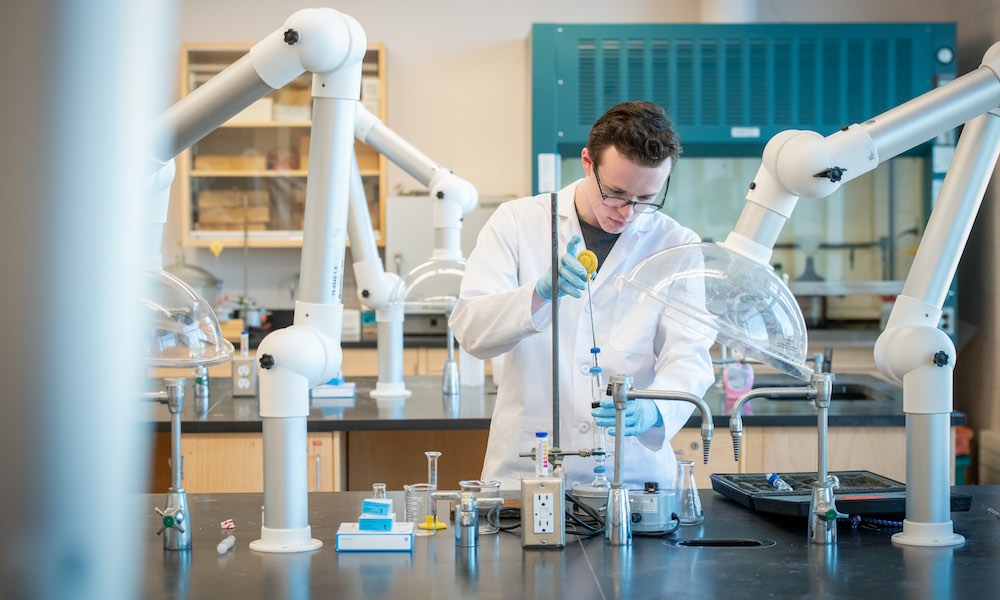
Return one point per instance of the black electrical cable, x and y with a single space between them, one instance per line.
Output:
584 528
677 525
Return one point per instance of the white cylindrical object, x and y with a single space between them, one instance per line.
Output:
928 491
471 371
285 526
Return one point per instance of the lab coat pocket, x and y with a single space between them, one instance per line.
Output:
634 328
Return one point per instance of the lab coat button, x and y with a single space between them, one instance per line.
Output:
585 369
584 427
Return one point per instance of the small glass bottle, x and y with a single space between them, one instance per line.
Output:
378 490
600 458
690 502
777 482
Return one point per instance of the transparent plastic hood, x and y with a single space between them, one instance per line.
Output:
726 296
180 328
433 286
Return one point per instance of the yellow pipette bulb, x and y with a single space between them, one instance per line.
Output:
589 261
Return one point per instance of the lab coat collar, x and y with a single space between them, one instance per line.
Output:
626 241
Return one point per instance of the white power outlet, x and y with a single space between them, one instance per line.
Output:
544 516
543 512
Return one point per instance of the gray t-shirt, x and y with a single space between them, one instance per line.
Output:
598 241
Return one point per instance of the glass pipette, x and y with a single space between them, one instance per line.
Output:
589 261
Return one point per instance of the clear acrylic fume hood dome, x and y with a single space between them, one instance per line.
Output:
433 286
727 297
180 328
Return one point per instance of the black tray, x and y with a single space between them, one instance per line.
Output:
860 493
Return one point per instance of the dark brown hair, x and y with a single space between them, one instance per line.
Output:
640 131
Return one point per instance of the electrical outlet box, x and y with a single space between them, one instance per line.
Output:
244 377
543 512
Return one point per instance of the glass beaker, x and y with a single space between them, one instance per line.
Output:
419 508
489 517
378 490
690 502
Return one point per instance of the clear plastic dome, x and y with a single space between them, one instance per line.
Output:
433 286
180 327
726 296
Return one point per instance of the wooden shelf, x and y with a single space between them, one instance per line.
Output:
277 195
268 173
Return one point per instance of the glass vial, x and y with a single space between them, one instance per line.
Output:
378 490
690 508
542 467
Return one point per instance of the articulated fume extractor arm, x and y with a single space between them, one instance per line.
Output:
911 350
331 46
384 291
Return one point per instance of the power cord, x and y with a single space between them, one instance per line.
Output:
587 524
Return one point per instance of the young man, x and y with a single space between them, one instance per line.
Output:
505 307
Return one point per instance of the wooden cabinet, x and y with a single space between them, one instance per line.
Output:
397 457
881 450
246 181
363 362
688 445
234 462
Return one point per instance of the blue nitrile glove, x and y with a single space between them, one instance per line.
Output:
572 275
640 416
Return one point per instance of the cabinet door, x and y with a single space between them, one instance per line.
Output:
234 462
397 457
881 450
325 469
688 445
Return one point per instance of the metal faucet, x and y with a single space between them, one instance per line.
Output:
618 519
822 526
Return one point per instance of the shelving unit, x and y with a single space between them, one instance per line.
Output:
246 181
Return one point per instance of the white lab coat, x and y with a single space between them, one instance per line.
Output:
493 316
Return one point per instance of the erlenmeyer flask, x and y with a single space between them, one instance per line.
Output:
688 494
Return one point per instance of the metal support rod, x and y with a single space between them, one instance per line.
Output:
175 404
822 383
821 442
555 321
618 513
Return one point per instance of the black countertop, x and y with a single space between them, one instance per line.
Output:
427 408
864 564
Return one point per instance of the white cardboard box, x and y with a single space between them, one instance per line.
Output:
350 538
